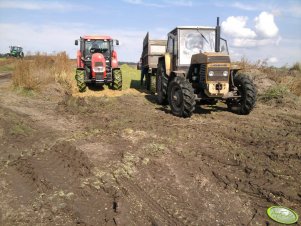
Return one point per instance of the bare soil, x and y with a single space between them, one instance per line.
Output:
125 160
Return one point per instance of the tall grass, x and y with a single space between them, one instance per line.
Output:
38 71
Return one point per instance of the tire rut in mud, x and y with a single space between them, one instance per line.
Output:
61 182
151 206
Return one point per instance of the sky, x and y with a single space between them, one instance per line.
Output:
267 30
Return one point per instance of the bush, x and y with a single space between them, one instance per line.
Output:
275 92
40 70
296 67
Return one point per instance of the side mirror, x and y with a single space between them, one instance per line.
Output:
117 42
76 42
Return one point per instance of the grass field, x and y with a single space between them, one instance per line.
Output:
130 76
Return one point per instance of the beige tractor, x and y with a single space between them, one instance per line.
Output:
196 67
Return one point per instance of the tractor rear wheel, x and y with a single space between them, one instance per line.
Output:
80 79
246 89
181 97
117 79
161 97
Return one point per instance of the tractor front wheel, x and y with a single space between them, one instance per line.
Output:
247 92
80 79
181 97
117 79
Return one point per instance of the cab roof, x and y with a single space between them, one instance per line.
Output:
93 37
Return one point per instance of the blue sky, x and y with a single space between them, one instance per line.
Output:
257 30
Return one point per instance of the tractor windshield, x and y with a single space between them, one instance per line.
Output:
196 40
103 45
16 48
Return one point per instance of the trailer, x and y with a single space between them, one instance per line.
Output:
152 50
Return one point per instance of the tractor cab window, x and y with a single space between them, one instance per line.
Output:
102 46
172 45
224 46
193 41
16 48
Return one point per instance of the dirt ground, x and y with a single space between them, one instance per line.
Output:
125 160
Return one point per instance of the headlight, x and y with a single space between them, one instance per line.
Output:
225 73
211 73
98 69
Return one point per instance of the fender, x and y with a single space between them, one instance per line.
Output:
98 65
114 61
79 60
168 63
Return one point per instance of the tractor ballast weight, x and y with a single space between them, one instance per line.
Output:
197 67
97 62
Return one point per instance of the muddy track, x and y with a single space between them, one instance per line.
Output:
159 215
5 76
127 161
60 179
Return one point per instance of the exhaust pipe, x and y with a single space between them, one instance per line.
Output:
217 36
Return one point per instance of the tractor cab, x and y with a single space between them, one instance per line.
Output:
97 60
184 42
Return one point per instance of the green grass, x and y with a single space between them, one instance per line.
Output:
130 77
275 92
20 128
7 67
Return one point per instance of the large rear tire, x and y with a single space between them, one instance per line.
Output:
181 97
246 89
117 79
161 97
80 79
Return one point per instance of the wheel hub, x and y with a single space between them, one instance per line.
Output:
176 97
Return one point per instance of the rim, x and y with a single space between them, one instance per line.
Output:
176 97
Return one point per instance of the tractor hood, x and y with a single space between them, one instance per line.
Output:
98 64
204 58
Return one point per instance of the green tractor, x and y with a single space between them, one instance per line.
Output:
196 68
16 51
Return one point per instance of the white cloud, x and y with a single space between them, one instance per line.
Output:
265 25
165 3
34 5
273 60
144 3
236 27
248 42
265 31
244 6
179 2
294 10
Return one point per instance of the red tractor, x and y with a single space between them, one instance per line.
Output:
97 63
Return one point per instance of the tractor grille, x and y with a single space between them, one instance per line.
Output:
218 74
99 76
218 59
202 72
